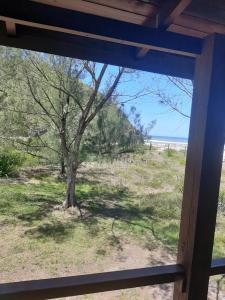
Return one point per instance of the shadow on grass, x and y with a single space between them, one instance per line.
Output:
27 208
56 230
97 202
42 208
132 215
158 214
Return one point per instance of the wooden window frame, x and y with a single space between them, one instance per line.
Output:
95 283
201 61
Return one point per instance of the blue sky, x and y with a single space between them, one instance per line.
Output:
168 122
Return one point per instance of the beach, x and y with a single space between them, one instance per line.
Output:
166 144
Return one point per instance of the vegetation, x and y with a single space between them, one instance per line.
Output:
126 203
133 202
65 135
10 161
48 104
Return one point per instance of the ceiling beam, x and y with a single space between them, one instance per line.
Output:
187 24
126 10
97 50
170 10
144 8
166 15
40 16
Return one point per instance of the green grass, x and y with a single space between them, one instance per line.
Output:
31 206
138 202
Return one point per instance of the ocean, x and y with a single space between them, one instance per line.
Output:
171 139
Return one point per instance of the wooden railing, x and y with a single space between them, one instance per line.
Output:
217 267
100 282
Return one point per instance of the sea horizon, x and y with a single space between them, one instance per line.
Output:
171 139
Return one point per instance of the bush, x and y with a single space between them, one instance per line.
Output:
10 161
169 152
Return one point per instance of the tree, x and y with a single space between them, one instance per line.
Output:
68 105
175 101
53 103
113 133
54 106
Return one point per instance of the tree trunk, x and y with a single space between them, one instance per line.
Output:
71 200
62 166
63 146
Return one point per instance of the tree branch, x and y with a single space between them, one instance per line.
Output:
107 96
39 102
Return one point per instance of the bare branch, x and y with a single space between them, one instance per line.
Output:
39 102
134 97
180 85
38 156
170 103
95 91
49 100
62 89
107 96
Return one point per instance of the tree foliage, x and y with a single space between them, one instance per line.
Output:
10 161
60 109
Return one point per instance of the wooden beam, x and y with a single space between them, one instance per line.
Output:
11 28
186 24
166 15
203 171
141 52
38 15
187 31
92 283
170 10
144 8
99 51
128 11
217 267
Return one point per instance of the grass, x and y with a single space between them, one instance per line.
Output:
132 214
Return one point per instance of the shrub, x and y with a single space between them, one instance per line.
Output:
10 161
169 152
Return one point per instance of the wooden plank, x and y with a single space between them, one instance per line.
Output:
135 6
166 15
99 51
217 267
77 23
187 31
97 9
171 9
91 283
208 9
203 171
126 10
193 23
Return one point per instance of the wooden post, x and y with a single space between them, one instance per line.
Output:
203 171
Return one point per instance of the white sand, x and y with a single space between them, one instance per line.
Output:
163 145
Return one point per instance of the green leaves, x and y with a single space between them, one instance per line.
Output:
10 161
